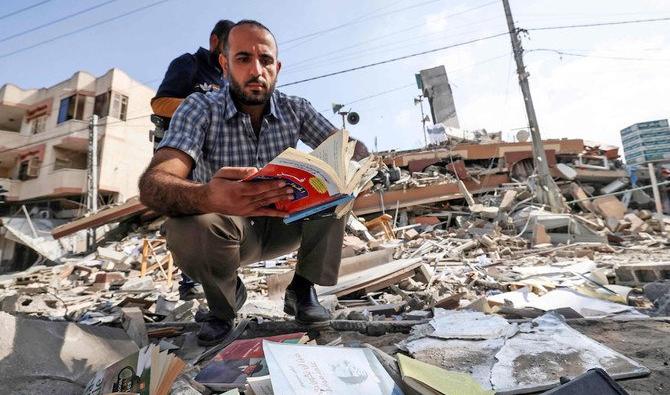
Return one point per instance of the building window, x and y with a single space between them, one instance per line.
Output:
69 159
38 124
101 106
29 168
71 108
116 107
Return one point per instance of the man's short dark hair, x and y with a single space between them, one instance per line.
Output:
222 28
226 45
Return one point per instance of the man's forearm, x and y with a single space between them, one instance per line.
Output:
171 195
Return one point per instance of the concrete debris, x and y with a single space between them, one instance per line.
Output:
450 244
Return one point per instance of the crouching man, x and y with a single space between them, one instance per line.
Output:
218 223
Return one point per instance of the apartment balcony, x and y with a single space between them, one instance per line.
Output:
13 188
54 183
8 140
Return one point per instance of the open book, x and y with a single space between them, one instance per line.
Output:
325 179
146 372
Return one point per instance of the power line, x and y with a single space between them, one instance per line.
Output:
384 48
360 19
394 59
23 9
330 54
55 21
599 24
69 132
564 53
83 28
374 95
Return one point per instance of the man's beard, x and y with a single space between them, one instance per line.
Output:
250 100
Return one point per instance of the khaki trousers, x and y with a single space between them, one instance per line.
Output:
211 247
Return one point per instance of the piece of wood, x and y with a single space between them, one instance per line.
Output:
131 207
451 302
540 235
277 283
507 200
149 250
133 324
580 197
371 279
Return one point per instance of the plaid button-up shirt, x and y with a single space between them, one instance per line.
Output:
210 129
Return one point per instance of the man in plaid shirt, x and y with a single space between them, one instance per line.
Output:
218 223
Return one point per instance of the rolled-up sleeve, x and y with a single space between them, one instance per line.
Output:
188 127
315 128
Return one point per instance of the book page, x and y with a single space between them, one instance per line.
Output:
321 369
332 151
296 159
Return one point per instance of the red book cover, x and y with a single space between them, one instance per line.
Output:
239 360
308 190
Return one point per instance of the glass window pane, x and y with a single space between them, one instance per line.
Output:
63 109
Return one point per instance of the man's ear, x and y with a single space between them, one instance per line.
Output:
223 62
278 66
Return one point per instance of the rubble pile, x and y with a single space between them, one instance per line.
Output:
410 261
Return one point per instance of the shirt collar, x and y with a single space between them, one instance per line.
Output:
231 109
207 56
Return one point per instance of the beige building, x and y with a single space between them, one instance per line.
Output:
44 143
44 136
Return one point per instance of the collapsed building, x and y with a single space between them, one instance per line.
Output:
448 259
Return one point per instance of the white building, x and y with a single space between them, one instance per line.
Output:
44 143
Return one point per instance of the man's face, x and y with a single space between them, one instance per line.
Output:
251 64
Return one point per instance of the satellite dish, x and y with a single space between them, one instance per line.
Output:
353 118
522 136
337 107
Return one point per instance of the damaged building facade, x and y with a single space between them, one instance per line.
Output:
43 154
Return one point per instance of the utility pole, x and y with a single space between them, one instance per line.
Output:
92 178
419 100
547 192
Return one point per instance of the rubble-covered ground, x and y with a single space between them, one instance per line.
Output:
603 267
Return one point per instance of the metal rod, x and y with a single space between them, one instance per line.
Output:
32 228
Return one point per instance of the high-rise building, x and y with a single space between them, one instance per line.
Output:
646 142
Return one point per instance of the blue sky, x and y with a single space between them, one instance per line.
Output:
620 78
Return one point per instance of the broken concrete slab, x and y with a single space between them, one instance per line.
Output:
110 254
133 324
145 283
640 273
636 222
508 198
40 357
609 207
524 362
540 235
580 197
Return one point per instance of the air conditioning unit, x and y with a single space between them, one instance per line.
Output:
34 164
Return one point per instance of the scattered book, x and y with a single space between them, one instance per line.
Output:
149 371
240 360
325 181
297 369
427 379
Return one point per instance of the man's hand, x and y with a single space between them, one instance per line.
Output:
227 195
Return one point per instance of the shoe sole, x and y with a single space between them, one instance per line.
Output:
318 324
